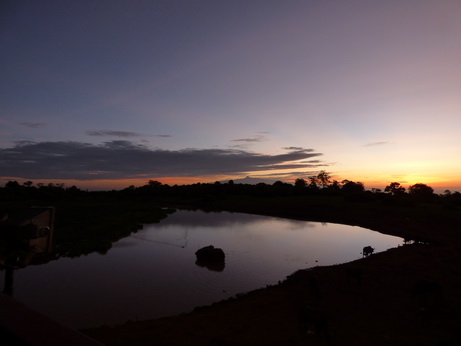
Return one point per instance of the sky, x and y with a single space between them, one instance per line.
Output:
106 94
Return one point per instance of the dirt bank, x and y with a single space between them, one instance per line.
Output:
369 301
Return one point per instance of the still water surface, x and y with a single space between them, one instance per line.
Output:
153 272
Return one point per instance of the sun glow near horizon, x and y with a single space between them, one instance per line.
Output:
439 185
368 91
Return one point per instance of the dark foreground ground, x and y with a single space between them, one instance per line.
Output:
410 295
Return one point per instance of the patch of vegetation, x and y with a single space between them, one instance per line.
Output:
85 222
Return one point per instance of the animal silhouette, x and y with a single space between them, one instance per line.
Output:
367 251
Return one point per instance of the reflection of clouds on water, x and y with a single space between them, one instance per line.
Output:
164 235
193 219
237 221
264 233
296 225
159 242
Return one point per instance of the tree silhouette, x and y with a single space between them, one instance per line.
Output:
313 181
154 184
300 183
324 178
395 189
352 186
334 186
421 191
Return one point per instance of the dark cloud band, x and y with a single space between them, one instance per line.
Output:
124 159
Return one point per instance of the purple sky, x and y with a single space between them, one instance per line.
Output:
209 90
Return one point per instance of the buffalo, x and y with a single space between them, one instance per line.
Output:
367 251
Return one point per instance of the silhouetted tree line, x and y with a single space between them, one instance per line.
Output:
85 221
318 185
88 221
15 191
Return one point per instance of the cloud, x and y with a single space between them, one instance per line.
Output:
297 149
295 174
320 163
124 134
21 143
374 144
123 159
121 134
247 140
32 125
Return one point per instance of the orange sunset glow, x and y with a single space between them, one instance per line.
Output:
186 93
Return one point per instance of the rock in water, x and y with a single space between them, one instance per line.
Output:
210 254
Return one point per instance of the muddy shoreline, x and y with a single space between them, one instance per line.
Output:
369 301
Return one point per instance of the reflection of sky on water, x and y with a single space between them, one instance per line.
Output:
153 272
